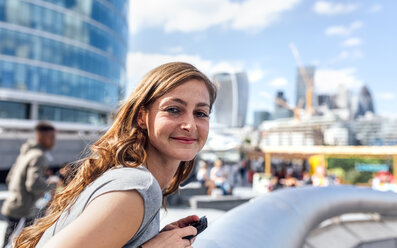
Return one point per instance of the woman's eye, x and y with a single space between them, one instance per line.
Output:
172 110
201 114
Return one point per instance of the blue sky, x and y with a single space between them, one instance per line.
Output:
350 42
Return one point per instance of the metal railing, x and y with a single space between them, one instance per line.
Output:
285 218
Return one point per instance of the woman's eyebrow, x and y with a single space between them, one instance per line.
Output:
203 104
200 104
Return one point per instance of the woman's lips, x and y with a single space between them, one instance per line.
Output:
184 140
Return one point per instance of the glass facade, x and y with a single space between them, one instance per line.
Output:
52 113
36 79
72 22
14 110
34 47
232 100
72 48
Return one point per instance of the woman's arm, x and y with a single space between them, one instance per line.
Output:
110 220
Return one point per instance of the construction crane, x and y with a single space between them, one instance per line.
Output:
306 80
296 110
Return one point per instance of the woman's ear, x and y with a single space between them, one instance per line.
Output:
142 119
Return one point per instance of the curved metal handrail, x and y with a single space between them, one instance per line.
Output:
284 218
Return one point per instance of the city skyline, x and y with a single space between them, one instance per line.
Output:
348 42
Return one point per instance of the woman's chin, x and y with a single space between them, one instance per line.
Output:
187 157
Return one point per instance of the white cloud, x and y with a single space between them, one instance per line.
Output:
343 30
356 25
385 96
253 15
193 15
352 42
177 15
256 75
138 64
337 30
265 94
352 54
278 82
376 8
356 54
175 49
330 8
328 80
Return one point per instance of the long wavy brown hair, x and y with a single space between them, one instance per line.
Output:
123 144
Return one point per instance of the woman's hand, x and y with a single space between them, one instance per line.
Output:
181 223
172 238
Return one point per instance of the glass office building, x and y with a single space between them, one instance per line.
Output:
231 105
62 60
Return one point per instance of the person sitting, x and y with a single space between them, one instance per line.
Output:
220 177
202 172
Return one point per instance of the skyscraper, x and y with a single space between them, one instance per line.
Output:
231 104
301 85
365 103
261 116
325 100
62 60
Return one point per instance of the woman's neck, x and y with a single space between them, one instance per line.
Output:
162 169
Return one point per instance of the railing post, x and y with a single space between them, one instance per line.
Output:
268 164
325 160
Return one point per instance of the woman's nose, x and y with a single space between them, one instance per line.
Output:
188 123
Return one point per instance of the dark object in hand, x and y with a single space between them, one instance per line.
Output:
200 225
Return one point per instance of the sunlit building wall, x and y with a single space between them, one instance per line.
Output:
62 60
231 105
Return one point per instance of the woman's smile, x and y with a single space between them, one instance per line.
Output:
184 140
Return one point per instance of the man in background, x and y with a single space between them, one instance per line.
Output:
26 181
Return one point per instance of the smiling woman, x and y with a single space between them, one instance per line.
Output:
177 123
114 199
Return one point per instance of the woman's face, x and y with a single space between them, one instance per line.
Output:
178 122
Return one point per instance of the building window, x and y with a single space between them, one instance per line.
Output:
61 114
14 110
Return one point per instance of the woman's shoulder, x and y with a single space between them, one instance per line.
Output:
128 172
127 177
124 179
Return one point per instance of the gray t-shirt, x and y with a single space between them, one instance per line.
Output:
118 179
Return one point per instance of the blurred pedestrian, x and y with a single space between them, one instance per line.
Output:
220 176
115 197
290 180
306 178
203 177
320 178
202 172
26 180
384 181
244 165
